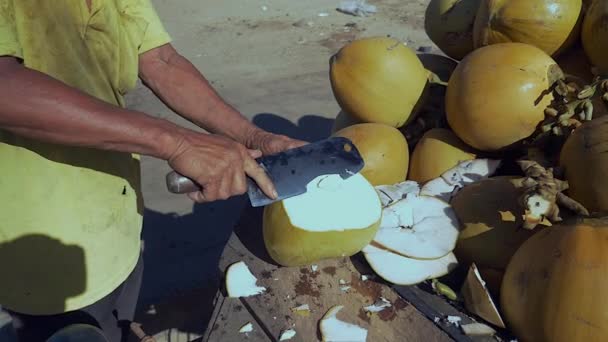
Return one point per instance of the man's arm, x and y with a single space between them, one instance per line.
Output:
186 91
40 107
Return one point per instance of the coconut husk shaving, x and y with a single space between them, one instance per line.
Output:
543 195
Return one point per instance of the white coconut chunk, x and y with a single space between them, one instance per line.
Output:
401 270
454 320
246 328
334 204
345 288
477 329
461 175
314 268
420 227
395 192
287 335
240 282
334 330
303 307
378 305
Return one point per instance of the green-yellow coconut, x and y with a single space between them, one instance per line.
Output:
334 218
378 80
384 150
438 150
492 222
449 24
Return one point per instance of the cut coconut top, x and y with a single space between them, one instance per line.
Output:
390 194
401 270
465 173
335 204
477 298
240 282
334 330
420 227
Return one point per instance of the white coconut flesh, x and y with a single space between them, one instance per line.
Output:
240 282
419 227
393 193
401 270
334 330
335 204
465 173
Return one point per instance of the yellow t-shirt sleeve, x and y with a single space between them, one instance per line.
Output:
155 34
9 41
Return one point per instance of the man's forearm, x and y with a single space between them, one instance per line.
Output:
186 91
40 107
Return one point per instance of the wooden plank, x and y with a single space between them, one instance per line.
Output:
289 287
230 315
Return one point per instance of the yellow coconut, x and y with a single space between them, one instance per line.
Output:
334 218
437 151
384 150
593 35
551 25
492 222
585 162
378 80
449 24
554 287
498 94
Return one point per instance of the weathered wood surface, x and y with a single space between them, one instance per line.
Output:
290 287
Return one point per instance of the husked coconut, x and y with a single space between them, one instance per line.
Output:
334 330
240 282
401 270
419 227
335 218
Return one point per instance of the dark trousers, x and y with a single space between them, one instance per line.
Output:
111 314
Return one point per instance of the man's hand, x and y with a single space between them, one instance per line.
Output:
270 143
219 165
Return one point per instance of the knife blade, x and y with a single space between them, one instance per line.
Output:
291 170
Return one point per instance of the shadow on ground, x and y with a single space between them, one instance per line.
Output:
182 253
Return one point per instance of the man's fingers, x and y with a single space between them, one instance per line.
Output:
197 196
255 153
253 170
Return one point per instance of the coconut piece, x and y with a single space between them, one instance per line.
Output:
455 320
345 288
302 310
390 194
461 175
246 328
420 227
378 306
287 335
401 270
314 268
477 329
477 298
240 282
333 329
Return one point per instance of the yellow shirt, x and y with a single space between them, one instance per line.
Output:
70 218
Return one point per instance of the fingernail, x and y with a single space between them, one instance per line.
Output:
275 194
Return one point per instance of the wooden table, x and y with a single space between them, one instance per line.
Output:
289 287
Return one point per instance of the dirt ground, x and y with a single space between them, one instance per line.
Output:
270 59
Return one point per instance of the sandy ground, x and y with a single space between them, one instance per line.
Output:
270 60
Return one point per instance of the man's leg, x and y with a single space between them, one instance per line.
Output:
107 314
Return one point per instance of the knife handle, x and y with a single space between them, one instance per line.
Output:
178 184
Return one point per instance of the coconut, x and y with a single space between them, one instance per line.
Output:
401 270
384 150
420 227
449 24
492 219
593 35
335 218
498 94
585 162
378 79
554 286
437 151
551 25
